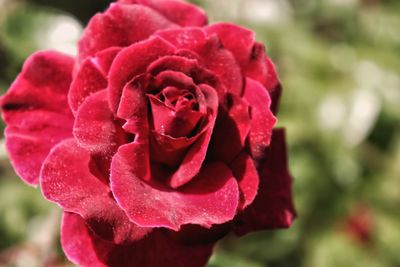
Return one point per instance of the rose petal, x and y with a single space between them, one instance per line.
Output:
231 129
261 68
191 164
67 181
88 80
77 242
188 66
95 128
236 39
262 119
175 123
130 63
273 206
180 12
211 198
173 63
246 173
170 151
105 58
36 112
121 25
159 248
214 57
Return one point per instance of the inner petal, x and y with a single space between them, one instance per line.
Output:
175 118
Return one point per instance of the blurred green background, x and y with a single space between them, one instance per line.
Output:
339 63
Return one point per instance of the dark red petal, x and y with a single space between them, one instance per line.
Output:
177 79
36 112
95 128
191 164
88 80
77 243
211 198
250 55
131 62
189 66
178 11
231 129
105 58
261 68
236 39
273 207
175 123
121 25
173 63
67 181
158 248
167 150
214 57
262 119
246 173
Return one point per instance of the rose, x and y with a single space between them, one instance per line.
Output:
156 139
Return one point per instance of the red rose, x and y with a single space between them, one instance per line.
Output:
156 139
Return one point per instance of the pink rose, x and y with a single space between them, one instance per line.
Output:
157 140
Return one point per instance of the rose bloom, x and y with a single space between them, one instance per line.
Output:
157 140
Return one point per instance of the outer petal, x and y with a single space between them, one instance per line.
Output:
261 68
77 242
250 55
120 25
180 12
211 198
95 127
36 112
246 173
131 62
157 249
273 206
236 39
262 119
213 56
67 181
88 80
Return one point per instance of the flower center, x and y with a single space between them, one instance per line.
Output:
175 112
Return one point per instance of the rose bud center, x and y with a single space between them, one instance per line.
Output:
175 112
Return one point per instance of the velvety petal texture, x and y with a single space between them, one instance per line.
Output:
121 25
212 198
158 248
66 180
36 112
177 11
157 140
273 206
